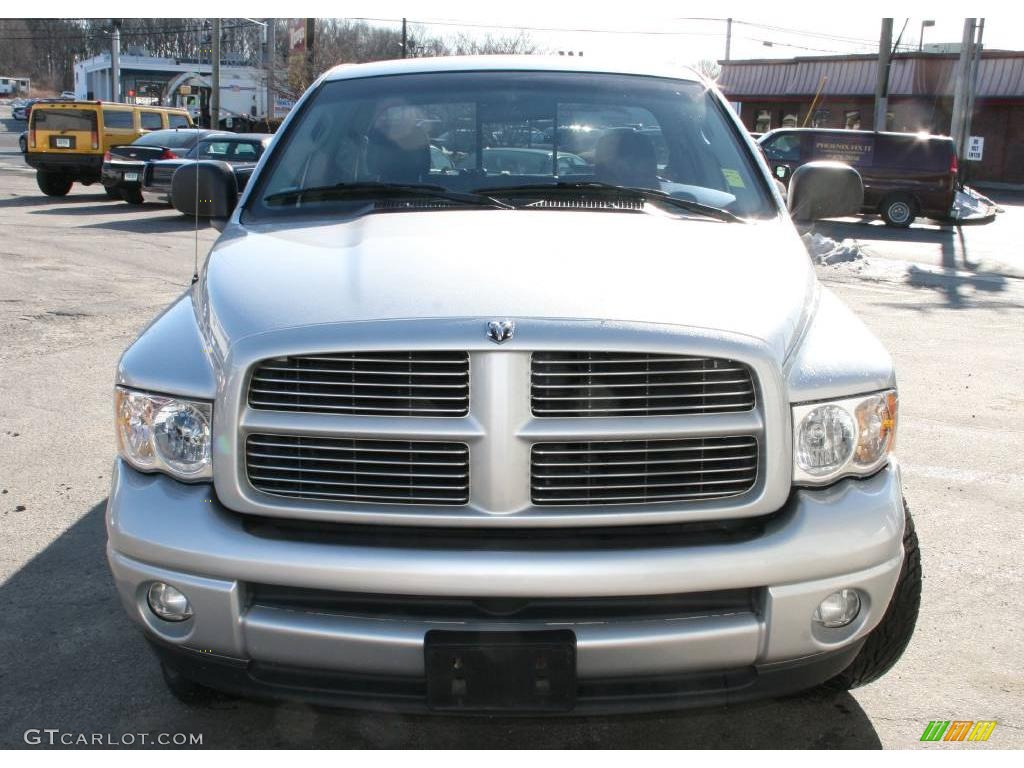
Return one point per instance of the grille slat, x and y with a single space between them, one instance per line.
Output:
329 468
700 469
364 384
581 384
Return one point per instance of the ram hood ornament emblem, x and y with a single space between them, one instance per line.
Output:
500 331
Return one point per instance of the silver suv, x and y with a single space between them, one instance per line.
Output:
509 387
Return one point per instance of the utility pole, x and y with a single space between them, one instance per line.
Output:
405 39
728 37
215 77
972 84
310 55
961 86
882 84
115 61
270 56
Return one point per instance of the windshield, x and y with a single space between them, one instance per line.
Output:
228 150
488 130
167 139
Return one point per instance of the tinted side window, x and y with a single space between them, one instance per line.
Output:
151 121
117 118
786 146
177 121
245 151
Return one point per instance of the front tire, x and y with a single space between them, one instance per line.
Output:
899 211
890 638
53 185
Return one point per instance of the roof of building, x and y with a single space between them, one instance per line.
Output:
1000 75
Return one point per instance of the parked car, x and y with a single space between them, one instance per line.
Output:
123 166
239 150
525 161
489 442
21 111
67 95
905 175
68 140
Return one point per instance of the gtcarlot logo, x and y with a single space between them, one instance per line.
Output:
55 737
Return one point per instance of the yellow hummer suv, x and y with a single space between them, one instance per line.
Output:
67 139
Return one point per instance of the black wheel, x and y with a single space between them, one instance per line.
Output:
890 638
188 691
899 210
133 196
53 185
22 144
112 193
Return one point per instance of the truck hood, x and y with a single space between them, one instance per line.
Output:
752 279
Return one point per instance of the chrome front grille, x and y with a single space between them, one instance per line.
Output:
341 436
641 471
344 469
364 384
568 384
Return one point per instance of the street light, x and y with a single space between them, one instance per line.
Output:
924 23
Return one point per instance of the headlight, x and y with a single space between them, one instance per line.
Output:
853 436
166 433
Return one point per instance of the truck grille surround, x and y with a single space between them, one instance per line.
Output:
682 431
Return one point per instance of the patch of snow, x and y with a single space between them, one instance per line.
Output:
825 250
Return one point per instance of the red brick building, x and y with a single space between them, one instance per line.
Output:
773 93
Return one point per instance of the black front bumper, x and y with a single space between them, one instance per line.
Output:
83 168
593 697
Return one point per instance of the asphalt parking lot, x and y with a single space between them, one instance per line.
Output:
82 275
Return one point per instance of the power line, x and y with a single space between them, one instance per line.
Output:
472 25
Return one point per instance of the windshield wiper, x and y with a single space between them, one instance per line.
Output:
363 189
655 195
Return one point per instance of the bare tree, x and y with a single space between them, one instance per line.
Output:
709 68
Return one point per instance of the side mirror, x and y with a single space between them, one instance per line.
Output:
821 190
212 195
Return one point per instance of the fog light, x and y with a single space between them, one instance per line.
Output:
838 609
168 603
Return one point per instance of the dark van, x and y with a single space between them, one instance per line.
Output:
906 175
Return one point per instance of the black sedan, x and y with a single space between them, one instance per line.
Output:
123 166
241 150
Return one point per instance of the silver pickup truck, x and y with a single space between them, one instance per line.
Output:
509 387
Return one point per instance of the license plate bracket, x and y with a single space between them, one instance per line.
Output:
532 671
131 176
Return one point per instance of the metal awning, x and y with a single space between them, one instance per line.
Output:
1000 75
